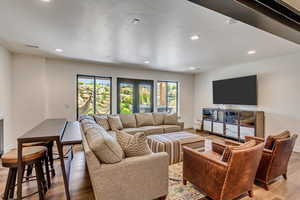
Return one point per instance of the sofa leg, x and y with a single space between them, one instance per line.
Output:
163 198
184 182
284 176
266 186
250 193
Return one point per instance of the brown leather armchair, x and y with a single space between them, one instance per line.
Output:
274 162
222 180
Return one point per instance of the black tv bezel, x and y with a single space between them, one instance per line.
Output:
256 92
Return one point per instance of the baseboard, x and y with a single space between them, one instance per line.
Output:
297 149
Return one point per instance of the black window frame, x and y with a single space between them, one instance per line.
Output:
95 77
167 92
136 83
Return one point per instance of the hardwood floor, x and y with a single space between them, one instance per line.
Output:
80 186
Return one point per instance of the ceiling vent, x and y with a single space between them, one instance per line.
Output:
232 21
31 46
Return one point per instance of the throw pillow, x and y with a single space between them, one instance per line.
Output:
272 138
133 145
144 119
115 122
158 118
171 119
228 150
102 120
105 147
128 121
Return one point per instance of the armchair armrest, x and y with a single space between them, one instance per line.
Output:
257 139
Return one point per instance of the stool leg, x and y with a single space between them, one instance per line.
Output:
47 171
50 155
8 184
29 172
13 183
39 178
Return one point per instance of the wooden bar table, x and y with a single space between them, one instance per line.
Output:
50 130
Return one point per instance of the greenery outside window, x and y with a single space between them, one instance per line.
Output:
134 96
167 96
93 95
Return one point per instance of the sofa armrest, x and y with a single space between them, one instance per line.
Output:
181 124
218 147
143 177
257 139
232 143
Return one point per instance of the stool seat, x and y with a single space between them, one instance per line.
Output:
29 154
31 144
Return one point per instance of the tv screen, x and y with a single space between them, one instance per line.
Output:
240 91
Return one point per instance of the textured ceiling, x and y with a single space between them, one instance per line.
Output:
102 31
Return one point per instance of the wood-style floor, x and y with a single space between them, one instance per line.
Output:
80 186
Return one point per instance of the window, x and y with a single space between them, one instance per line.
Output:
93 95
135 96
167 96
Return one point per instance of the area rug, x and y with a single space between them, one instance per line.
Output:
178 191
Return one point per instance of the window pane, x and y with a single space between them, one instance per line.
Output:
103 96
85 95
126 98
172 97
161 96
145 98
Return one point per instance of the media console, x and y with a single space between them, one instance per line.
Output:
233 124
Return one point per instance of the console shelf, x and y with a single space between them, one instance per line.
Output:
233 124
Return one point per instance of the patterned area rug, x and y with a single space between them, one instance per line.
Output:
178 191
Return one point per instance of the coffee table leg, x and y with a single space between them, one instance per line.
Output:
63 168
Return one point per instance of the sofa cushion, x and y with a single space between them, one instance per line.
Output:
228 150
105 147
149 130
115 122
82 117
87 126
144 119
133 131
171 119
128 121
272 138
170 128
158 118
133 145
102 120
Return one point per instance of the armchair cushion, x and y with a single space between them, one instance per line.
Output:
272 138
228 150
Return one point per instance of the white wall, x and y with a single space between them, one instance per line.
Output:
61 79
46 88
5 95
278 91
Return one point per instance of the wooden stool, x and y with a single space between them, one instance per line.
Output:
49 146
31 156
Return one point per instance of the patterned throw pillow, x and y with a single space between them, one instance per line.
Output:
128 121
272 138
171 119
133 145
105 147
158 118
144 119
115 122
228 150
102 120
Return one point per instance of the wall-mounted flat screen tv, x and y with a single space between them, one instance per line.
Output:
239 91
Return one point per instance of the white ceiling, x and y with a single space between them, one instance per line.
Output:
102 31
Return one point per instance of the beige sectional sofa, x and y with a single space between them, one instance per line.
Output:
133 178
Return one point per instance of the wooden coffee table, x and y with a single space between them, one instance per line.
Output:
172 143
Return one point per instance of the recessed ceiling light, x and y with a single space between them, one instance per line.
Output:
136 20
192 68
147 62
59 50
251 52
47 1
194 37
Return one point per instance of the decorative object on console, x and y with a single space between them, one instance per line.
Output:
233 124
